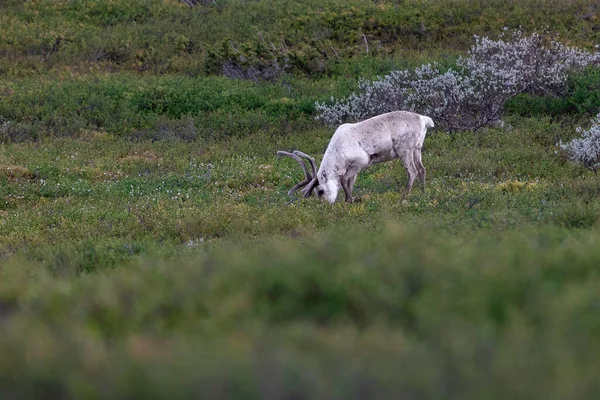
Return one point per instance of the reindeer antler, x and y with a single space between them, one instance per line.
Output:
310 181
307 191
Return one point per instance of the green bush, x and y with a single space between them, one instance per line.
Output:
152 107
584 92
580 102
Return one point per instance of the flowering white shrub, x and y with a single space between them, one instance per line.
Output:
474 93
537 63
586 150
455 100
373 98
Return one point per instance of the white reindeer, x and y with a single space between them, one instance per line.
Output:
353 147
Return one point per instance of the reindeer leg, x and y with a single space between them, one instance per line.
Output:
406 157
420 167
349 177
347 190
351 182
350 186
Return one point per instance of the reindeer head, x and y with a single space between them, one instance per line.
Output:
311 181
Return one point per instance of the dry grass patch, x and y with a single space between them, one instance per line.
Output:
15 172
146 156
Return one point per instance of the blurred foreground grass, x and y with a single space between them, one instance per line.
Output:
385 312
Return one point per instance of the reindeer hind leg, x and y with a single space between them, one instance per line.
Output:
421 170
406 157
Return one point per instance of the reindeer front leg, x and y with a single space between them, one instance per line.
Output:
351 183
347 185
348 179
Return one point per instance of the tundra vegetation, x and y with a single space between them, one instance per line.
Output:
147 250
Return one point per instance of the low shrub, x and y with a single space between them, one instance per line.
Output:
586 149
473 94
584 91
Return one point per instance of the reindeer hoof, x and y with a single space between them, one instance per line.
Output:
353 199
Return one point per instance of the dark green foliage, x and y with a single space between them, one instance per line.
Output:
150 107
528 105
584 92
254 62
580 102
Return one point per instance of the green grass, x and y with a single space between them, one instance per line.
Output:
167 37
148 248
144 107
91 205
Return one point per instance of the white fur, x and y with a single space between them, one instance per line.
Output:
353 147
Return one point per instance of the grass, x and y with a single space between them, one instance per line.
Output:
170 190
146 107
165 36
91 205
148 248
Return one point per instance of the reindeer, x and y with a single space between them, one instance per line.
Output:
353 147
